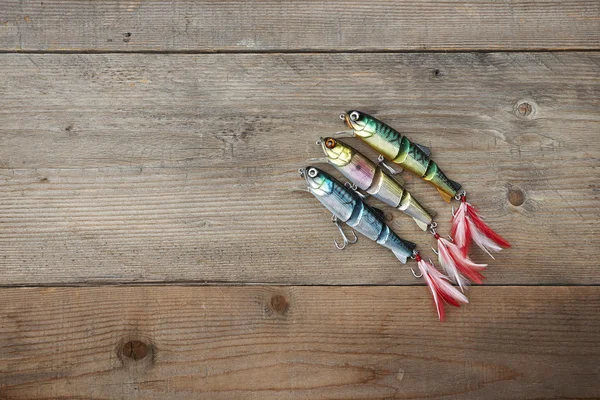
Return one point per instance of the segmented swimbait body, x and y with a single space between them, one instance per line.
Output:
348 207
371 178
400 150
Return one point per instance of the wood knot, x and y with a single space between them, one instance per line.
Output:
516 197
135 350
525 109
279 304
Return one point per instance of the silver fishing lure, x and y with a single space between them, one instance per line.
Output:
347 206
371 178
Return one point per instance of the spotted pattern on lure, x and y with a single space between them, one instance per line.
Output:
347 206
400 150
371 178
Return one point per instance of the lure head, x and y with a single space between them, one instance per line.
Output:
362 124
337 152
317 181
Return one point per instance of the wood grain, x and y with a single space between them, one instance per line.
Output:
342 343
129 168
206 25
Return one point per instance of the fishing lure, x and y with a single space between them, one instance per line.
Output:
467 225
370 177
399 150
366 175
348 207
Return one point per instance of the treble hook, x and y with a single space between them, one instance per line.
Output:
415 253
345 239
416 275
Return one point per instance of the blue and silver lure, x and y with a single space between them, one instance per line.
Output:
348 207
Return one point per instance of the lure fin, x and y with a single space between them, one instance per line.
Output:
344 134
424 226
299 189
400 257
424 149
318 160
445 195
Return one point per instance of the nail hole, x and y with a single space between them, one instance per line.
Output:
135 350
437 72
279 304
516 197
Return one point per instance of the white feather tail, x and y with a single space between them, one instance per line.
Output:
440 287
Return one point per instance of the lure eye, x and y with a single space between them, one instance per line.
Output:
354 115
330 143
312 172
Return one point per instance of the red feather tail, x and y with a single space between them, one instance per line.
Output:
440 287
467 227
457 265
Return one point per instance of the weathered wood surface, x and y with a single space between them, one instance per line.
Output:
298 343
109 25
121 168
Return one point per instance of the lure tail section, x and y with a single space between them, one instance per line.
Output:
410 206
447 187
440 287
467 227
458 266
401 255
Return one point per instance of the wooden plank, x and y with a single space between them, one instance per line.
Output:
206 25
120 168
297 343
